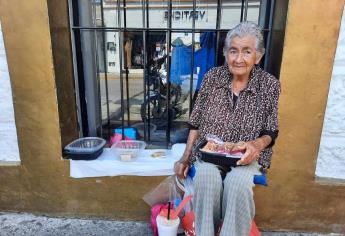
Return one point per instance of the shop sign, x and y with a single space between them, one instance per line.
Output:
185 15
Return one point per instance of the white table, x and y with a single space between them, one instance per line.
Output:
109 164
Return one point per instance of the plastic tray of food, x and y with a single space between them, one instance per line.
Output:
127 150
221 158
88 148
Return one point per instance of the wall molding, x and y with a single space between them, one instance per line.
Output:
9 154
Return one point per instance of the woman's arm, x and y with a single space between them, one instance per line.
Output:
253 148
181 167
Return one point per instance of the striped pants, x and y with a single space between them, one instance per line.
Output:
231 199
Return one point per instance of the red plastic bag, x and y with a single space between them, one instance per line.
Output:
188 224
254 231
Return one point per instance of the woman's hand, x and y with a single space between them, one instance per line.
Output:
181 168
252 149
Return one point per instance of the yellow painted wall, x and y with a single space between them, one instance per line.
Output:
63 69
293 201
42 183
27 42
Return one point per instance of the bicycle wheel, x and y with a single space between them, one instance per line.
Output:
157 112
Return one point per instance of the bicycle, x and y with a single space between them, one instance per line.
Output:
155 107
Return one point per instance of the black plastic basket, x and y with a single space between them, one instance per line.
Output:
216 158
89 148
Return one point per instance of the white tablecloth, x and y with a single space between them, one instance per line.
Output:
109 164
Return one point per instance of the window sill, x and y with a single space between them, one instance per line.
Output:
10 163
329 181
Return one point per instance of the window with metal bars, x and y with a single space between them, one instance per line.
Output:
140 63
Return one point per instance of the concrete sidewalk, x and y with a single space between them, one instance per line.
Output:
13 224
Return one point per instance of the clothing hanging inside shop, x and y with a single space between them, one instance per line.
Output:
128 53
204 58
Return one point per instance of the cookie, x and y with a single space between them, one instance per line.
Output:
158 154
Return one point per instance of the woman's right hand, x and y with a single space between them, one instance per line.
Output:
181 168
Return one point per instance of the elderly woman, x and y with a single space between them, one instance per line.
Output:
237 102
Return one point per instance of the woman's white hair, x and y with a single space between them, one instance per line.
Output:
241 30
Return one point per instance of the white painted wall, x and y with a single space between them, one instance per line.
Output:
9 152
331 158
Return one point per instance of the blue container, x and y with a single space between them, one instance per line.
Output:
130 132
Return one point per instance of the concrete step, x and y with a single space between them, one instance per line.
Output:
18 224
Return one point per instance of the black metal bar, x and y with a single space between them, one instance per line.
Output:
269 37
71 10
245 10
127 96
80 68
105 70
219 18
147 15
120 63
126 66
192 60
115 29
97 68
263 13
242 10
147 26
168 72
146 87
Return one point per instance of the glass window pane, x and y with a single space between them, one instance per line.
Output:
134 14
253 11
111 13
90 48
158 14
89 12
231 13
132 59
182 13
206 14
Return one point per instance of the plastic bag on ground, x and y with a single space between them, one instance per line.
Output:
166 191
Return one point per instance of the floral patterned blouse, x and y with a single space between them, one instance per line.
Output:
253 115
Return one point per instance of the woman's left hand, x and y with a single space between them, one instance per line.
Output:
252 151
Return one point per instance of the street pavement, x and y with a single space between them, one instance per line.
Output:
24 224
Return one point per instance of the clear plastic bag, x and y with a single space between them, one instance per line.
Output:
166 191
217 145
188 190
214 138
188 219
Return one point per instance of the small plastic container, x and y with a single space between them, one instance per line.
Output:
127 150
167 227
88 148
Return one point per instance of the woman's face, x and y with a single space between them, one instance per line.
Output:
242 55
